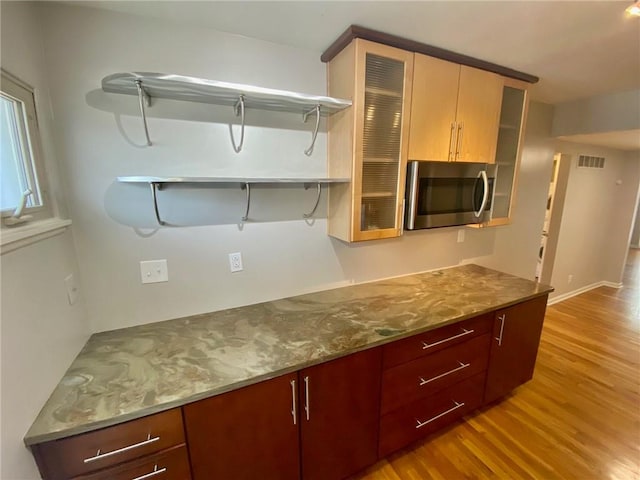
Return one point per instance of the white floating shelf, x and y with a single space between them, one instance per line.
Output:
232 180
158 183
179 87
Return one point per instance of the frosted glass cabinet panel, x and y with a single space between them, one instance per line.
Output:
369 142
381 145
508 150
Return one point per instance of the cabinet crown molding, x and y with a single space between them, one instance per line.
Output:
356 31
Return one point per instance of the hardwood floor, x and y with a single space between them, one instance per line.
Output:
579 418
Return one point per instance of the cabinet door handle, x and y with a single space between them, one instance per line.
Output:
151 474
451 147
502 319
446 412
459 139
461 367
426 345
100 456
294 414
306 397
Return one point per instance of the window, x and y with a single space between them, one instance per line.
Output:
22 183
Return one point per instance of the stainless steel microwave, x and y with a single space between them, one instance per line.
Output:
441 194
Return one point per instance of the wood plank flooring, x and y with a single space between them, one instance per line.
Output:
579 418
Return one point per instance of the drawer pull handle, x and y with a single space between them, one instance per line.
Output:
461 367
502 319
426 422
151 474
426 345
100 456
294 413
306 397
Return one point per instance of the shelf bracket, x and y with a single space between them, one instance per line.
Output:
238 109
247 187
155 186
315 207
144 98
305 115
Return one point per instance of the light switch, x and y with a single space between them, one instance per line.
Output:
154 271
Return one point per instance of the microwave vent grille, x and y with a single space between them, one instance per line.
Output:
588 161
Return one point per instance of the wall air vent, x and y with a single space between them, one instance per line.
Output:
587 161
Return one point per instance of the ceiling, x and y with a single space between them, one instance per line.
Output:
578 48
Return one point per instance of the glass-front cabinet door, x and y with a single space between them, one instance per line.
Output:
369 141
508 150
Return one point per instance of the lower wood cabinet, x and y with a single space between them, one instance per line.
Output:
252 430
516 337
171 464
339 415
319 423
148 440
415 420
432 379
324 422
428 375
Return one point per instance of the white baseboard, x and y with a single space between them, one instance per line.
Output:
565 296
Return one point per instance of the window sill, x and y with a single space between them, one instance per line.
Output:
18 237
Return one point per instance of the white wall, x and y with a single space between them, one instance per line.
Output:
603 113
40 332
622 219
597 218
280 258
516 247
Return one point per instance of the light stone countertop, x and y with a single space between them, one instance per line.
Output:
129 373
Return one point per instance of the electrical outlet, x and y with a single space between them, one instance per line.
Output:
235 262
154 271
461 235
72 289
570 279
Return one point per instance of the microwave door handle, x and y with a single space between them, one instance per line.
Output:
413 174
485 195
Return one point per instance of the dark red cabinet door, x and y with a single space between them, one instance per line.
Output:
249 433
514 348
342 397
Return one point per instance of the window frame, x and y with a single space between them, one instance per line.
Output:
14 87
45 221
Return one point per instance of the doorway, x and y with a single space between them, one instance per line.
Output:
552 217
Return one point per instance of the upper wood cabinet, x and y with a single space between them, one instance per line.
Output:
455 111
369 142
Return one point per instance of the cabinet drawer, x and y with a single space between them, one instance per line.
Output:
89 452
425 376
416 420
428 342
172 464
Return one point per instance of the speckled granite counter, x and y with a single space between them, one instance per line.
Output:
129 373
